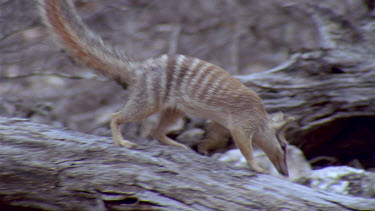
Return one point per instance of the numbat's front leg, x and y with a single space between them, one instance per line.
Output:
217 137
243 140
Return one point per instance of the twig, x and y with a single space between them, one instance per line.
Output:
173 44
234 52
60 75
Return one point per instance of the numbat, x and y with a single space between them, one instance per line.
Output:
172 84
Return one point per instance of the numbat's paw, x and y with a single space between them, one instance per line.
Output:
126 144
202 149
258 169
182 145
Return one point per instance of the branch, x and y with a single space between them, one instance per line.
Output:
60 75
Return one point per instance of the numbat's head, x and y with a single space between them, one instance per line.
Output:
271 139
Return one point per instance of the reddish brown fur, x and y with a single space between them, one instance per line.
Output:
62 30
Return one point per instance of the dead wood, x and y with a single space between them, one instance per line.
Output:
55 169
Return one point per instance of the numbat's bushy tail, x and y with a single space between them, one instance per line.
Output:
172 84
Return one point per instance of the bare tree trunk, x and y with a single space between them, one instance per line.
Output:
54 169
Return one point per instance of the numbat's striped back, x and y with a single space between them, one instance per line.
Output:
195 86
170 84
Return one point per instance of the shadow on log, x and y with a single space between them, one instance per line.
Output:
44 168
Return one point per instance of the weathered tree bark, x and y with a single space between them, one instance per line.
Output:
55 169
329 91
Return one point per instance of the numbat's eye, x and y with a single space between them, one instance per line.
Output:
283 146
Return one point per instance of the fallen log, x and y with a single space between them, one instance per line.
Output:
44 168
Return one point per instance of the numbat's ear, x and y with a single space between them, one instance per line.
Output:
277 117
281 123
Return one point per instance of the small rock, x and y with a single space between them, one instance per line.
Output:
297 163
233 156
177 126
343 180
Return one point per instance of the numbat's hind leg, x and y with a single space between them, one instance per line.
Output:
168 118
131 112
